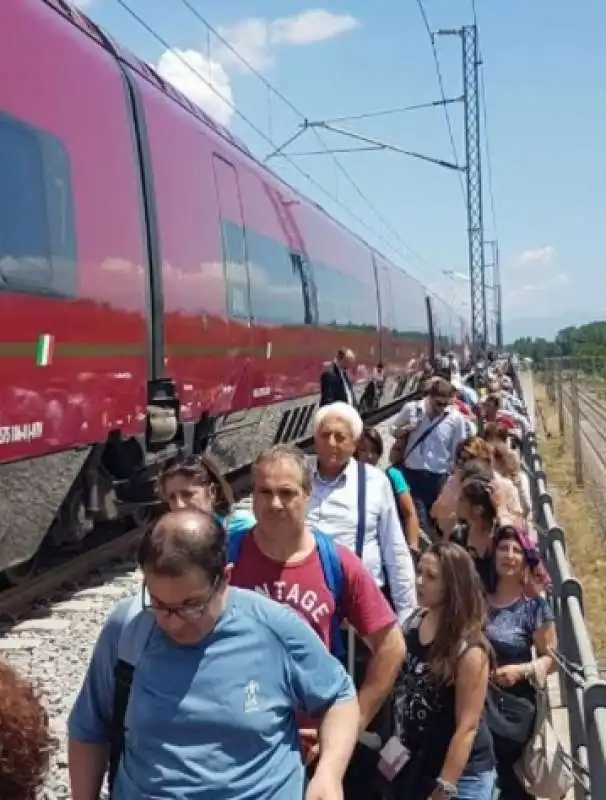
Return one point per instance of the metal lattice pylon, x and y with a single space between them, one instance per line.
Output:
475 221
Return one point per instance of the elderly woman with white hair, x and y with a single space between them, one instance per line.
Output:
354 503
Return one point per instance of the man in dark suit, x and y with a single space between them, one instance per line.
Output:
335 384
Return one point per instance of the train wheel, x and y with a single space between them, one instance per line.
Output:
13 576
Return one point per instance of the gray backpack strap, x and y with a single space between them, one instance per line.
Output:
134 636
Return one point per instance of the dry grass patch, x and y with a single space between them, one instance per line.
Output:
585 544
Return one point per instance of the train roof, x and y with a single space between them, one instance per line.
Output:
150 74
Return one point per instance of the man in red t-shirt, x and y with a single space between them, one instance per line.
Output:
279 558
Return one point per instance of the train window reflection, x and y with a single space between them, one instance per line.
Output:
37 226
344 300
234 259
276 286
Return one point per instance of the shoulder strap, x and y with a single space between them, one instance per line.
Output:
361 528
235 540
424 435
134 636
333 577
135 633
412 620
360 535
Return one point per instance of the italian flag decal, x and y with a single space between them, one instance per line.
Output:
44 350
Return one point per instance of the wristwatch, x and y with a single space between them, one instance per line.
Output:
445 789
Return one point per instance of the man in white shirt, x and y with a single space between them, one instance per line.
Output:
334 506
436 428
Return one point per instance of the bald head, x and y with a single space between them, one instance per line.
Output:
182 540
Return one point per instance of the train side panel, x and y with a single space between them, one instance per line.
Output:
73 319
410 333
207 353
281 307
344 275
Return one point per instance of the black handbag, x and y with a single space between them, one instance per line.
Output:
508 715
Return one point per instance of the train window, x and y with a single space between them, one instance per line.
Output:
387 315
344 301
234 259
276 284
37 221
409 306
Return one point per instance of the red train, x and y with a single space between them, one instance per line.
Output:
159 288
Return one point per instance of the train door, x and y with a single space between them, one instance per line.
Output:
430 328
380 355
237 282
392 370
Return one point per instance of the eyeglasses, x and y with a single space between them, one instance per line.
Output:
189 612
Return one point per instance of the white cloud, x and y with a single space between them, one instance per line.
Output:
539 256
188 71
253 38
314 25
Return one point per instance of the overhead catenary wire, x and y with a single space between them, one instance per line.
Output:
440 77
412 254
395 110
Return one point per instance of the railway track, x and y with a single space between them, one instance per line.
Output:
63 572
592 420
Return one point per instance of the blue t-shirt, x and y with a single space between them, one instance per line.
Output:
510 629
215 719
398 481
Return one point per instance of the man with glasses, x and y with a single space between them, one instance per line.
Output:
214 691
431 428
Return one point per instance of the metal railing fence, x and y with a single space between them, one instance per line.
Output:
583 692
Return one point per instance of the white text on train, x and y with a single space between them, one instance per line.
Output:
11 434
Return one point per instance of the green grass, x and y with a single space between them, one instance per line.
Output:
585 544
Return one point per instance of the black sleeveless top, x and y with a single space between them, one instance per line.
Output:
484 564
425 712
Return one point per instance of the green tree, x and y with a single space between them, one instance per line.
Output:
582 342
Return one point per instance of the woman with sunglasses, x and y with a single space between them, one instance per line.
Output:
195 482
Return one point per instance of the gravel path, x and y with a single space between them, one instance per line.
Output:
53 647
53 650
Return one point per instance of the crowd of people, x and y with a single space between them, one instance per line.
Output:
362 633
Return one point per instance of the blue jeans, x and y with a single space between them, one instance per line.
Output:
476 787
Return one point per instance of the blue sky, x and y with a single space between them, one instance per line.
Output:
544 70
